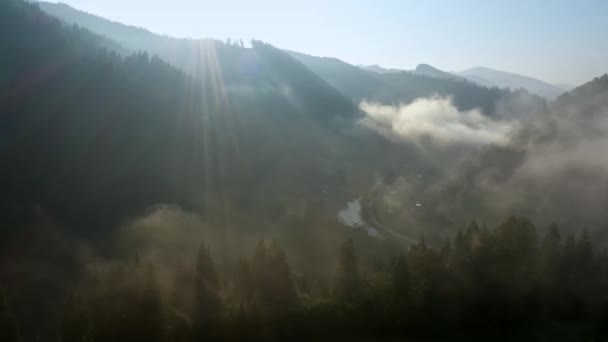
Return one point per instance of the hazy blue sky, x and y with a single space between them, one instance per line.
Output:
555 40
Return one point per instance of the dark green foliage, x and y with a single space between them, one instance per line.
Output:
348 281
72 119
272 288
125 133
551 251
93 138
208 304
77 324
121 305
402 281
491 282
8 325
207 286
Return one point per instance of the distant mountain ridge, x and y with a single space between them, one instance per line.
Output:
380 70
486 77
394 86
428 70
490 77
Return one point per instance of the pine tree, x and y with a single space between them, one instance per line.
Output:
8 325
244 285
550 254
568 264
76 324
401 281
461 256
473 235
274 292
150 315
258 272
281 292
348 283
552 241
584 251
258 263
207 286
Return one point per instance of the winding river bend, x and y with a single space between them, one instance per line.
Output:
361 213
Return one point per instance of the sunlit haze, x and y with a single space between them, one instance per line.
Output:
307 170
556 41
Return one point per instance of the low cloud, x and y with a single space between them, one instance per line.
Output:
165 231
554 170
435 120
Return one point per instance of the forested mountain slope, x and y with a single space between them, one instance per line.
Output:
552 170
92 141
162 189
495 78
352 81
123 133
405 86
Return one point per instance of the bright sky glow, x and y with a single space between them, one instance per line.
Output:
557 41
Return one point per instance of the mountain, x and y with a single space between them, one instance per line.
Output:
224 138
487 78
490 77
421 69
131 38
551 168
353 82
248 141
427 70
143 175
241 114
403 87
380 70
237 66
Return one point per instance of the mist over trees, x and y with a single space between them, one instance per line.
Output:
551 170
163 189
477 284
403 87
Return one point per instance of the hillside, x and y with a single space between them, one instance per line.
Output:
350 80
179 52
95 142
248 107
231 63
487 77
495 78
160 189
427 70
378 69
549 168
426 81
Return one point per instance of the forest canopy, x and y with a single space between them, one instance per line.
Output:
155 188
